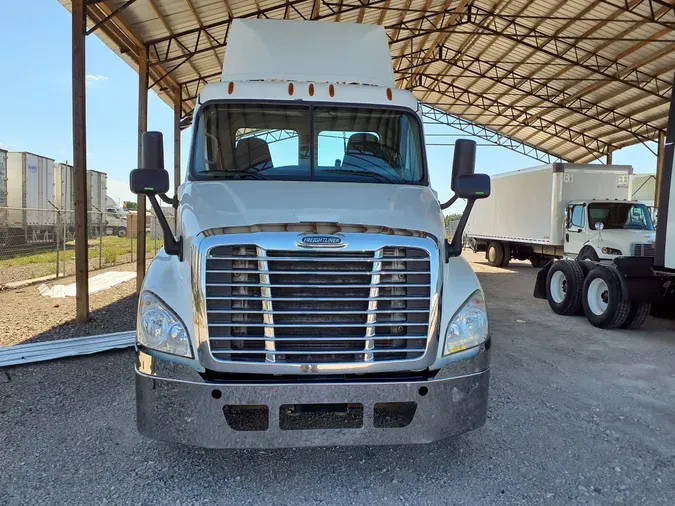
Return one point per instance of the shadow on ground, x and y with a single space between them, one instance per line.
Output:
118 316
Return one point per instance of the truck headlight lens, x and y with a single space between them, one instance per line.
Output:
469 327
160 329
611 251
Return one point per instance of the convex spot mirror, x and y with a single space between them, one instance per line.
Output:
473 186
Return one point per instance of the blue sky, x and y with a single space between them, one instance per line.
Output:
35 64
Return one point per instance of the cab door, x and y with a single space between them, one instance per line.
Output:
575 232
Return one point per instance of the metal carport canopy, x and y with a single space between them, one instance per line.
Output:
556 79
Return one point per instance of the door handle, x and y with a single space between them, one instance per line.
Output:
567 237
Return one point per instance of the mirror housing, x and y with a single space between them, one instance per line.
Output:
153 180
149 181
463 162
473 186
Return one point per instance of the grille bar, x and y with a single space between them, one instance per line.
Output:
312 285
315 338
320 259
313 307
312 352
273 312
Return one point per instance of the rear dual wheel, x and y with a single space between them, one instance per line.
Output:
604 303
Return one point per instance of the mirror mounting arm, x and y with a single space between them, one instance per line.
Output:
173 201
171 245
454 248
448 203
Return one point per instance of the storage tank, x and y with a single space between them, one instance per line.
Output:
64 193
97 188
30 195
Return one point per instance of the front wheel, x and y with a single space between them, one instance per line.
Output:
121 232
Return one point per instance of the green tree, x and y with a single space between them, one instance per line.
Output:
130 206
450 217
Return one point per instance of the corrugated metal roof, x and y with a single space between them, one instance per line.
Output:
575 78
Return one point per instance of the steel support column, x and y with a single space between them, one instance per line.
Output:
610 152
177 113
79 27
659 166
142 127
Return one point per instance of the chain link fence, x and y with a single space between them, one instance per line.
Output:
39 244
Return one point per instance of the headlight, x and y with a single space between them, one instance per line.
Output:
611 251
469 326
160 329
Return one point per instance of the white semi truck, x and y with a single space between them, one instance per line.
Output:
308 296
561 210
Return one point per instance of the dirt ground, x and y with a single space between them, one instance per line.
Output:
576 415
26 316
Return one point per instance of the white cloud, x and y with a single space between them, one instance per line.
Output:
94 77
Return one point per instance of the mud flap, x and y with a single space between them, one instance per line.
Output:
540 284
638 280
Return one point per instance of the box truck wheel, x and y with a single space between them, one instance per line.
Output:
495 254
563 287
588 253
638 313
507 254
602 298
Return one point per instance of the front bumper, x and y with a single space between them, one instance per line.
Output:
186 410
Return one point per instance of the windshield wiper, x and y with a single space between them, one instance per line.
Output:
361 172
224 174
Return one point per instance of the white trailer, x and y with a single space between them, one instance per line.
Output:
64 194
97 188
554 210
31 209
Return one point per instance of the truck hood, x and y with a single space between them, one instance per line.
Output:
214 204
621 239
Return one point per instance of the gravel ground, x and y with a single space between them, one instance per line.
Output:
577 415
29 317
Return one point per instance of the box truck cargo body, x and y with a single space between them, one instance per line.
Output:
3 179
551 211
31 210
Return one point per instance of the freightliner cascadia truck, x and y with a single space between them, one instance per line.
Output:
308 295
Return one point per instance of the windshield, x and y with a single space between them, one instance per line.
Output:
308 143
619 215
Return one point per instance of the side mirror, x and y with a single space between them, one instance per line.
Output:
151 179
464 161
473 186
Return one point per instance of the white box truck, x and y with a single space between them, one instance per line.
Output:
3 197
64 194
561 209
309 296
31 211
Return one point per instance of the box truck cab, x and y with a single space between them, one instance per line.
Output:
308 296
561 210
606 229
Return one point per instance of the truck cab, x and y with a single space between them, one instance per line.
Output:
606 229
308 295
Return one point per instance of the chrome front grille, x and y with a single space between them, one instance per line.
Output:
643 250
316 307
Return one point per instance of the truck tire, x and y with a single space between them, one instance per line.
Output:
563 287
638 313
602 298
586 266
495 254
121 232
507 254
588 253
